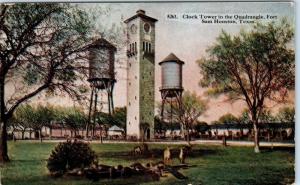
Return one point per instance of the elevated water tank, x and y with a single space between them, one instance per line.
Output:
171 73
101 62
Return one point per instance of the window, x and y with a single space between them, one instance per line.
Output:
129 122
129 103
143 46
135 77
135 48
135 97
146 49
149 47
129 83
129 64
135 117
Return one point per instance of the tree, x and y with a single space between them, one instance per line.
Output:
201 126
266 117
228 119
42 47
286 114
75 119
244 117
191 109
23 118
252 66
120 116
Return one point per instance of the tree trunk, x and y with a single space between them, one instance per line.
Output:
256 137
13 135
3 121
40 134
3 143
50 133
23 133
187 135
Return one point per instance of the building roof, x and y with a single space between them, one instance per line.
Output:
171 58
101 42
115 128
142 14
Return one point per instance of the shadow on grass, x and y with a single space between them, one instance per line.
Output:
158 153
268 149
38 180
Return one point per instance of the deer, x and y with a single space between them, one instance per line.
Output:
183 153
137 150
167 155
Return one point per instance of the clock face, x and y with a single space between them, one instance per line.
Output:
147 27
133 29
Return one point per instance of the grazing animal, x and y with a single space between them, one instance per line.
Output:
184 151
167 155
137 150
182 155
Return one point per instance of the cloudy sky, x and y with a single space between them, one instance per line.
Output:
187 39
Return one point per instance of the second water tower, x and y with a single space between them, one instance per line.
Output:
171 78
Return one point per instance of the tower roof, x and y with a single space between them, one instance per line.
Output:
171 57
101 42
142 14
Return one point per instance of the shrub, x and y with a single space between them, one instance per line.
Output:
70 155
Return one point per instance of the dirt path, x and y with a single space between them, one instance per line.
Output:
200 142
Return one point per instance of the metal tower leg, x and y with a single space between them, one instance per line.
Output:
89 118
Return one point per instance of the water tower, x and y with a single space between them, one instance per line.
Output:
101 74
171 76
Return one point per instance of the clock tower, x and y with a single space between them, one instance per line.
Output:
140 75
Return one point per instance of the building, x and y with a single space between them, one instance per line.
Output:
140 74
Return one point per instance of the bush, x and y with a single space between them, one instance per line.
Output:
70 155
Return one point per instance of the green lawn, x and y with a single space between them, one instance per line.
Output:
213 165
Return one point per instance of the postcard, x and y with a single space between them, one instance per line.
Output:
147 93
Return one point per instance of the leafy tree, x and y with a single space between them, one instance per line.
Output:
252 66
286 114
74 119
228 119
159 124
43 47
244 117
192 108
120 116
201 126
23 118
266 117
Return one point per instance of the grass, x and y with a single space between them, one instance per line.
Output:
214 165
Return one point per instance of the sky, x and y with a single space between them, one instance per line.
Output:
187 39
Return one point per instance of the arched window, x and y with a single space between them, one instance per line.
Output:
135 48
